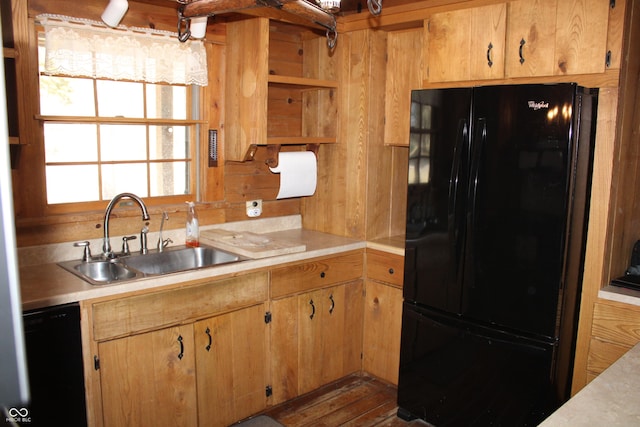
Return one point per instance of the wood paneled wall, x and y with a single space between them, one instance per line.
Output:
224 189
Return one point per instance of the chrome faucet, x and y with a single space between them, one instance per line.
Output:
163 243
106 245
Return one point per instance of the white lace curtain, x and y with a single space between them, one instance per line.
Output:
83 48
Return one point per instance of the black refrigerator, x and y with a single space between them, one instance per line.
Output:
498 196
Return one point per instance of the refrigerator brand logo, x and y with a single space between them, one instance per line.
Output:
538 105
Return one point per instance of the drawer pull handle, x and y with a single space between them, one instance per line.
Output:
181 355
322 275
333 304
391 271
208 332
489 61
313 309
522 43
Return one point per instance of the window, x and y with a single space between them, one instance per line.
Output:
111 122
105 137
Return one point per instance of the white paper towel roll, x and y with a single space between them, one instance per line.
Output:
298 173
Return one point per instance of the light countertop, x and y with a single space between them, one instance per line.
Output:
620 294
48 284
43 283
611 399
393 244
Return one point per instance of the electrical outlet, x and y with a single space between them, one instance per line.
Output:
254 208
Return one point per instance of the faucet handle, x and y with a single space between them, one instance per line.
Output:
125 244
86 254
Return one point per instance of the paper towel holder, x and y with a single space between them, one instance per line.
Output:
274 149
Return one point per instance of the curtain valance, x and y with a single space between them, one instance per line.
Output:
84 48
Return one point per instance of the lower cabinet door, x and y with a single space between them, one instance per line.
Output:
382 326
231 364
315 339
149 379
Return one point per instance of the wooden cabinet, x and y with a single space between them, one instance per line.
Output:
316 335
281 90
231 365
523 38
193 355
553 37
404 72
531 38
466 44
615 329
383 315
210 373
149 379
385 267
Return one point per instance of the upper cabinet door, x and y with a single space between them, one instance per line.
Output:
404 73
531 38
581 36
552 37
466 44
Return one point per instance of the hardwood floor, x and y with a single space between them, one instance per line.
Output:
356 401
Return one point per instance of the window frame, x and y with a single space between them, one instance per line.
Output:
194 125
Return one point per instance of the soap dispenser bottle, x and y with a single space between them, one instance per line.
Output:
192 230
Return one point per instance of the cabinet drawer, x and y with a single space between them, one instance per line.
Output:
385 267
129 315
316 274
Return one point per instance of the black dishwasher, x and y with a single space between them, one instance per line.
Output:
54 360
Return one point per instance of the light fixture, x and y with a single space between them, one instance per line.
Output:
114 12
194 27
198 27
331 6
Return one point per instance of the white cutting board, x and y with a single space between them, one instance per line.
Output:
250 245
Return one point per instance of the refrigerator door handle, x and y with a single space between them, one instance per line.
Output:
476 158
454 222
477 148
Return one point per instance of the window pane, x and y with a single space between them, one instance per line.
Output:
168 142
415 115
70 142
425 146
426 117
166 102
413 171
124 178
169 179
63 96
424 170
414 145
123 142
69 184
120 99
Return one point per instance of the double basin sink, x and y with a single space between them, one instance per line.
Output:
136 266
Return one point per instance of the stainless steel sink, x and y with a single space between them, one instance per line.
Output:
104 271
172 260
132 267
